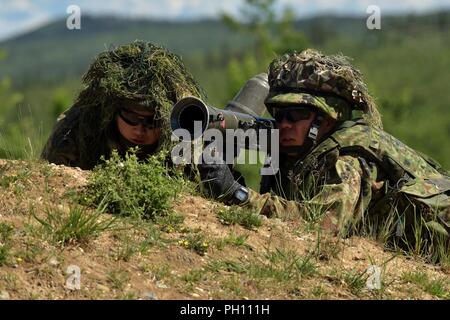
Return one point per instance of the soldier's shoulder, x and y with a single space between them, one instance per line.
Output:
67 123
63 138
70 116
354 134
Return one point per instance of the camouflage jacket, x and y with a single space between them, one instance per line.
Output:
358 174
67 146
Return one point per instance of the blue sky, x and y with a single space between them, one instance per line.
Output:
17 16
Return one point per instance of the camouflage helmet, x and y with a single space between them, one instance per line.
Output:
139 74
328 83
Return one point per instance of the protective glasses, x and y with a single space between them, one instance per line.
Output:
292 115
134 119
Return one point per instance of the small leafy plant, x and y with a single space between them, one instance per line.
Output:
134 188
195 242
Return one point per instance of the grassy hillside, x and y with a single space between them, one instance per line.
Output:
195 249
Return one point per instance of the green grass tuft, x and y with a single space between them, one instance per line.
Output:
437 287
237 215
78 225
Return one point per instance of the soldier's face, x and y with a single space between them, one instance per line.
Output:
132 126
293 133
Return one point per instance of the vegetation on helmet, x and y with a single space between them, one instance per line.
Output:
136 74
329 77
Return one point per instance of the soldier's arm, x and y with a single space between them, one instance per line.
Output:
336 203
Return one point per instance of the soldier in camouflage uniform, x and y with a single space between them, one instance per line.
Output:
337 165
126 102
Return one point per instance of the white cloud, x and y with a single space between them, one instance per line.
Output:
21 5
159 9
133 8
20 15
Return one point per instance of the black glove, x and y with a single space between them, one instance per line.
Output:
219 183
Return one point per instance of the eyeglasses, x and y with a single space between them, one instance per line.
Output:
134 119
292 114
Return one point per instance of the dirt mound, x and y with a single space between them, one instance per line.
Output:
205 258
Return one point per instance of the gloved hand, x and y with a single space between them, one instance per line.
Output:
218 181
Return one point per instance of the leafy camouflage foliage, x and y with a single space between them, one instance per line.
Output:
138 74
312 71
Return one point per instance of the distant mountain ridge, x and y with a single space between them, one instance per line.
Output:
63 53
53 52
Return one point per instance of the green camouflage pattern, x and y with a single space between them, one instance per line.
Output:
138 74
357 176
335 107
313 73
294 198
